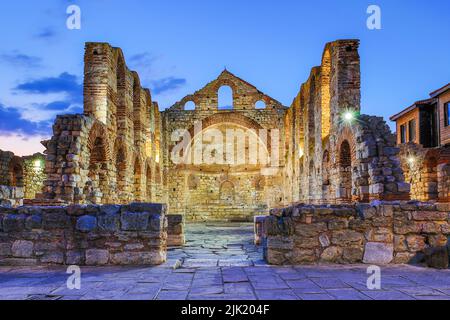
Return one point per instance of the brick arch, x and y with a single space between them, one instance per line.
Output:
99 131
231 118
15 171
347 134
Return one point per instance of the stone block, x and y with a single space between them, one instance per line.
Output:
22 249
108 221
331 254
95 257
13 223
437 257
86 223
74 258
134 221
378 253
33 222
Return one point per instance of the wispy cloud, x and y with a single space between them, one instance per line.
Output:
167 84
22 60
46 34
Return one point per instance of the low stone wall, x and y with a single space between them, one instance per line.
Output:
375 234
134 234
175 230
11 196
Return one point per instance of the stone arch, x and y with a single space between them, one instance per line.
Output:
231 118
148 183
121 161
260 104
96 186
189 105
226 192
222 97
15 171
137 179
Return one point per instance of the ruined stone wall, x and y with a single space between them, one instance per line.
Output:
427 170
333 160
33 175
134 234
227 191
387 232
110 154
20 177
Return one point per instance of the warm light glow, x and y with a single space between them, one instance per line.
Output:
411 160
37 165
157 158
349 116
300 153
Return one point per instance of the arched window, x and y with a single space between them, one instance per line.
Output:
225 98
260 105
189 106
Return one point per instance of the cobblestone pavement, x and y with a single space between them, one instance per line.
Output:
219 261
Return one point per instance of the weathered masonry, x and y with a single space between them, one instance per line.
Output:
20 178
318 150
109 154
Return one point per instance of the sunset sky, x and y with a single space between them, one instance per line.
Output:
179 46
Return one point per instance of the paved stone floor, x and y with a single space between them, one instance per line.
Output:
220 262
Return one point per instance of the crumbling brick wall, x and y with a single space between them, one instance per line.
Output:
110 154
380 234
333 160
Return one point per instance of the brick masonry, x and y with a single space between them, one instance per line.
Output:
382 233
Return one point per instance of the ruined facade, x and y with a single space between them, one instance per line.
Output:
334 154
109 154
224 188
210 161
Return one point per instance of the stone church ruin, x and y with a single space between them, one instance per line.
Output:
322 167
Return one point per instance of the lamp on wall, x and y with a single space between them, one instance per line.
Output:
37 165
349 116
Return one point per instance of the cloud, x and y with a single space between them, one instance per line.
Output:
143 60
46 34
11 121
167 84
18 59
64 83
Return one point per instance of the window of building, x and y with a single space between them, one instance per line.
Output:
412 130
403 133
447 114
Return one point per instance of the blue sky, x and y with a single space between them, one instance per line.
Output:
179 46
